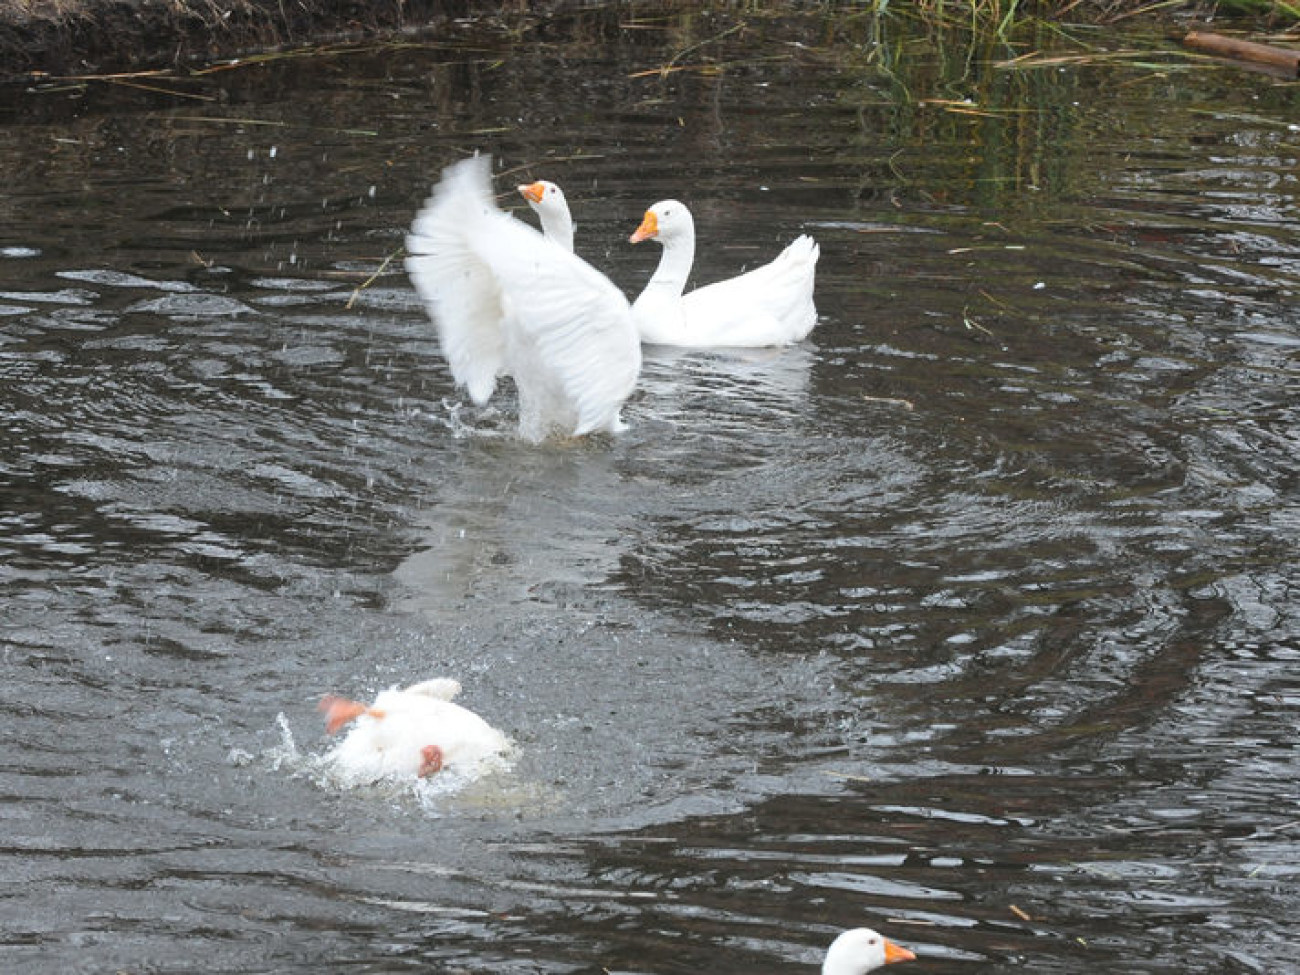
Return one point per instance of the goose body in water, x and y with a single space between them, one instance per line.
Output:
412 732
770 305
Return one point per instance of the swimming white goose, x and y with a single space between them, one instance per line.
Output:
548 202
412 732
770 305
506 301
862 950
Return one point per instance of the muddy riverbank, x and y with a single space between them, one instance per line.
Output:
84 36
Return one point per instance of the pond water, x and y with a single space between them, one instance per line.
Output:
973 618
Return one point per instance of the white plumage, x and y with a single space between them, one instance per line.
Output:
862 950
508 302
409 733
770 305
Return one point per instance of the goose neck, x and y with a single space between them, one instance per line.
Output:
675 263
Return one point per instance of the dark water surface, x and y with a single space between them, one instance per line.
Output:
975 618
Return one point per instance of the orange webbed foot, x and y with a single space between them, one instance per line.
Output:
432 760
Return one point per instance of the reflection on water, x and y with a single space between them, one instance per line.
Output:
971 618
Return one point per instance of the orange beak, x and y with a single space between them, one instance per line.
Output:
649 228
339 711
895 953
532 192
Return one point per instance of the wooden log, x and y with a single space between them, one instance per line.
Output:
1280 58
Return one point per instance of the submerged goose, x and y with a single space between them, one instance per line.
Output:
862 950
412 732
552 209
770 305
508 302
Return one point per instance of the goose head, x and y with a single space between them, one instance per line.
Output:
544 197
552 209
666 221
860 951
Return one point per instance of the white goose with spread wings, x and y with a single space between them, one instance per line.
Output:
508 302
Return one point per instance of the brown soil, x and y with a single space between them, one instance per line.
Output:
61 37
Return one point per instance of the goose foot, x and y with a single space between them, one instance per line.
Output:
432 760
